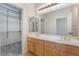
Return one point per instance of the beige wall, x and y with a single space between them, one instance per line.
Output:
75 18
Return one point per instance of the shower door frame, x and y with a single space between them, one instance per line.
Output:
20 21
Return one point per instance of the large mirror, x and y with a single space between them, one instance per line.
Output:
64 21
61 22
33 24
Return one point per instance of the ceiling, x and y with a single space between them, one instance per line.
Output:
39 4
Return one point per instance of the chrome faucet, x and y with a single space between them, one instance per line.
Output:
67 37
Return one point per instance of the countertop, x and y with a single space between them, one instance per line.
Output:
56 38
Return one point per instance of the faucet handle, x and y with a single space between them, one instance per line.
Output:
65 37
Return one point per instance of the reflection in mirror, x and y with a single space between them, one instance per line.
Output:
33 24
61 22
61 26
42 26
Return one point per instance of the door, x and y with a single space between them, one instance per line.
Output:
3 25
39 47
10 28
61 26
48 51
31 45
14 29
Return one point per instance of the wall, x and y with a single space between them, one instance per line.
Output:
75 18
78 23
50 20
27 11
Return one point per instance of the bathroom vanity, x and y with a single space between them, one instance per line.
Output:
52 46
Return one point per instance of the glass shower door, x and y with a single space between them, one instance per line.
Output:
3 26
10 31
14 30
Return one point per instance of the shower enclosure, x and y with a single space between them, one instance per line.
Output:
10 30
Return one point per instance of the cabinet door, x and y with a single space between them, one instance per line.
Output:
30 45
59 49
52 52
72 50
48 51
39 47
39 50
49 44
58 53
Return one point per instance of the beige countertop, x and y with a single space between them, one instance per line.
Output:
55 38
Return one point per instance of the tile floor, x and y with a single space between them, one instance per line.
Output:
11 49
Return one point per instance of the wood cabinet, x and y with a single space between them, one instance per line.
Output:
68 54
48 51
52 52
47 48
72 50
31 45
53 49
39 47
35 46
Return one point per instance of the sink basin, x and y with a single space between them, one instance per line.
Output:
50 36
76 41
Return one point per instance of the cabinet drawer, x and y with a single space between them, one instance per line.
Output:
49 44
72 50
